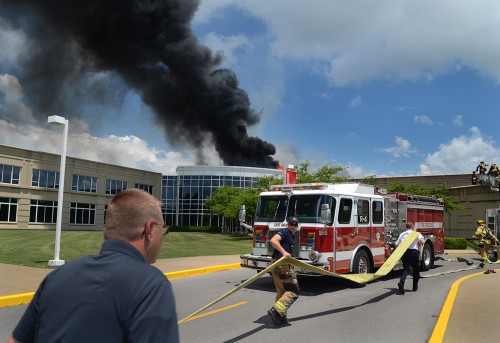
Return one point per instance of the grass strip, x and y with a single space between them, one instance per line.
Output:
34 248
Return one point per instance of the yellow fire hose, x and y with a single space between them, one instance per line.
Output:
357 278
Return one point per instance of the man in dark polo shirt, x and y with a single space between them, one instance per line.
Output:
115 296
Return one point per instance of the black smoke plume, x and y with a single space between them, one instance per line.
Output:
151 46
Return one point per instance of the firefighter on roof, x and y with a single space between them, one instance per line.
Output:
485 237
284 277
481 168
474 178
494 171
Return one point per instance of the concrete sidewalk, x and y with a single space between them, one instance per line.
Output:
18 279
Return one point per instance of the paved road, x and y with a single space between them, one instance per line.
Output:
331 310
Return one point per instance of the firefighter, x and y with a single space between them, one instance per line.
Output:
485 237
494 171
284 277
474 178
481 168
411 258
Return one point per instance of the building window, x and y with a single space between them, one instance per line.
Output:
8 210
144 187
9 174
169 199
82 214
45 179
115 186
42 211
83 183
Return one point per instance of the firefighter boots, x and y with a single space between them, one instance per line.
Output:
401 288
277 318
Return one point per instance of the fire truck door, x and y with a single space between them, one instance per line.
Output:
346 224
492 218
363 226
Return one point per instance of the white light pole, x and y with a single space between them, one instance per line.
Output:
57 120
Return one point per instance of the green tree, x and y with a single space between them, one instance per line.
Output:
440 191
370 180
324 173
226 201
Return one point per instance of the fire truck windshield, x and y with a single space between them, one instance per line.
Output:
307 208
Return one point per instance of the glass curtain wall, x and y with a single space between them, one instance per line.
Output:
183 195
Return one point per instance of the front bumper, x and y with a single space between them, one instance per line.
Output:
262 262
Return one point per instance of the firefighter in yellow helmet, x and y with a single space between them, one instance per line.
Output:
481 168
494 171
485 237
482 177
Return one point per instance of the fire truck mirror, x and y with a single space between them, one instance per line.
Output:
326 214
243 214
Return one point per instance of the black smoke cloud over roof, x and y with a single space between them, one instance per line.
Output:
151 46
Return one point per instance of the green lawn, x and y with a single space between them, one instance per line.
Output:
36 248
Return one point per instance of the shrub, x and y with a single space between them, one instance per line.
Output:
455 243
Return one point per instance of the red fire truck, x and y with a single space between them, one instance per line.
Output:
343 227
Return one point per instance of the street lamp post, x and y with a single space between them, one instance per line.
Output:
57 120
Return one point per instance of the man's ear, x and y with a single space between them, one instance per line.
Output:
148 228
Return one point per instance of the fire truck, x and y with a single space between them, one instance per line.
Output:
346 227
493 222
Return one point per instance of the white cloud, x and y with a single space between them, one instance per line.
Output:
210 10
423 119
128 151
227 45
13 105
356 102
358 41
402 148
458 120
461 154
11 41
358 172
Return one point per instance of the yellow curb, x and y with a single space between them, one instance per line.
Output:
17 299
25 298
198 271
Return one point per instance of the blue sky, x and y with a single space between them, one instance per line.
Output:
381 88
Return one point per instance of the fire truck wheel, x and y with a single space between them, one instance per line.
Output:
361 263
427 258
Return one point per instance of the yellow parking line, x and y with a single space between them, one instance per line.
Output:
440 328
216 311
